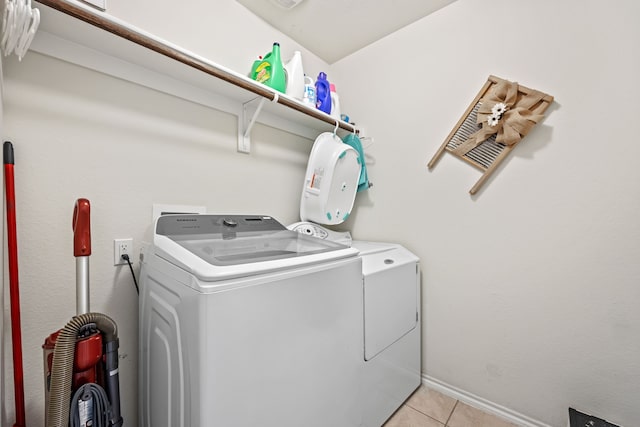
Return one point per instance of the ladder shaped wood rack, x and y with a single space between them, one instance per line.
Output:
84 36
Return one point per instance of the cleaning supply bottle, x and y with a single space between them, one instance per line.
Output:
254 67
295 76
271 71
309 97
335 102
323 93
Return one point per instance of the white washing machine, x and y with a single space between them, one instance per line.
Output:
245 323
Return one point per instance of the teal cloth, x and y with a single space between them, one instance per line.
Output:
354 141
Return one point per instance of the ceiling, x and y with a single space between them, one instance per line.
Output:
333 29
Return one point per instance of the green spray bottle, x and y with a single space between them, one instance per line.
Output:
270 70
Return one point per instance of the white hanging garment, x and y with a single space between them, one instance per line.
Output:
19 25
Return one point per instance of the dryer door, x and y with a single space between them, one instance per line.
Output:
391 290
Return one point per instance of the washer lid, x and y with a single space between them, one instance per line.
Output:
216 247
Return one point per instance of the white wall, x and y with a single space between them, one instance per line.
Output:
78 133
531 288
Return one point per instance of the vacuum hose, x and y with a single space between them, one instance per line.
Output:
62 368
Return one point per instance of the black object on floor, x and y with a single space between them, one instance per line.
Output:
578 419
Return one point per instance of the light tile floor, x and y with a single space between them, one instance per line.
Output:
429 408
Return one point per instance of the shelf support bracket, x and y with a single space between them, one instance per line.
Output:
246 120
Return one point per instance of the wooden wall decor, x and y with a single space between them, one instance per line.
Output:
497 119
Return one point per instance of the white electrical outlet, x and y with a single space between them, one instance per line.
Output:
122 247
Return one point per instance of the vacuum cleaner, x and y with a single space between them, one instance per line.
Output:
82 386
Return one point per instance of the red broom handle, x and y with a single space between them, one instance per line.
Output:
16 336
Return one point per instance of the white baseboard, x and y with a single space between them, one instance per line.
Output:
480 403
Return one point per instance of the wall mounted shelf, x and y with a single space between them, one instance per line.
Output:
84 36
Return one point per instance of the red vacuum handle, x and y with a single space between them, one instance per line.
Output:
82 228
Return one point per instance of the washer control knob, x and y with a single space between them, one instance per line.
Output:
229 222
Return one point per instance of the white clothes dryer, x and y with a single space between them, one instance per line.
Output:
391 330
391 322
244 323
